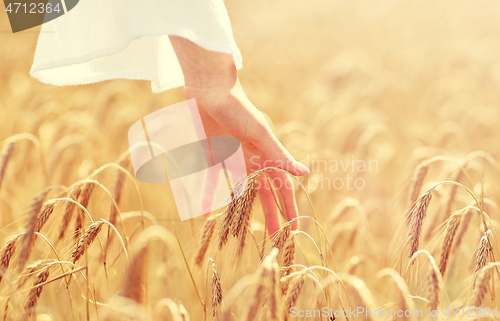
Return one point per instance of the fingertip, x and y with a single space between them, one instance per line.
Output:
300 169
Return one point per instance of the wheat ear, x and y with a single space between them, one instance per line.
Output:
28 240
482 252
84 201
68 211
36 291
447 243
216 293
117 190
482 283
204 241
6 254
416 183
5 158
293 292
415 218
86 239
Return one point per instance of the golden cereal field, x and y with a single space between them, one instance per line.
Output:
393 105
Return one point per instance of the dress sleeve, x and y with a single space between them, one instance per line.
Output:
101 40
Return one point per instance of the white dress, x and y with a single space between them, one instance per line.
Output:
107 39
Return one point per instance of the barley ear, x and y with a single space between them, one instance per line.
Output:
86 239
452 226
216 293
415 218
204 241
69 207
416 183
6 254
135 280
36 291
4 160
482 252
28 240
293 292
482 285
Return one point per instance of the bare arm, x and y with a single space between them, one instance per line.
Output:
211 78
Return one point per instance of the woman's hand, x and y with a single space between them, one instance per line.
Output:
211 79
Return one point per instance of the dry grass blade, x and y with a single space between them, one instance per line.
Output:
415 218
482 252
216 293
35 293
416 183
447 243
204 240
28 240
6 254
4 160
482 283
68 211
86 239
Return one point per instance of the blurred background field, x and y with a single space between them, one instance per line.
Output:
397 82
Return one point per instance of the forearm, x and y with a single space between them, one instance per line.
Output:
204 69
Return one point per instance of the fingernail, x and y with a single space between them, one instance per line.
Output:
301 168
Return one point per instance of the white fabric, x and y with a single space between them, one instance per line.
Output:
108 39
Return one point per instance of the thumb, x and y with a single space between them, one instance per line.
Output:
274 151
